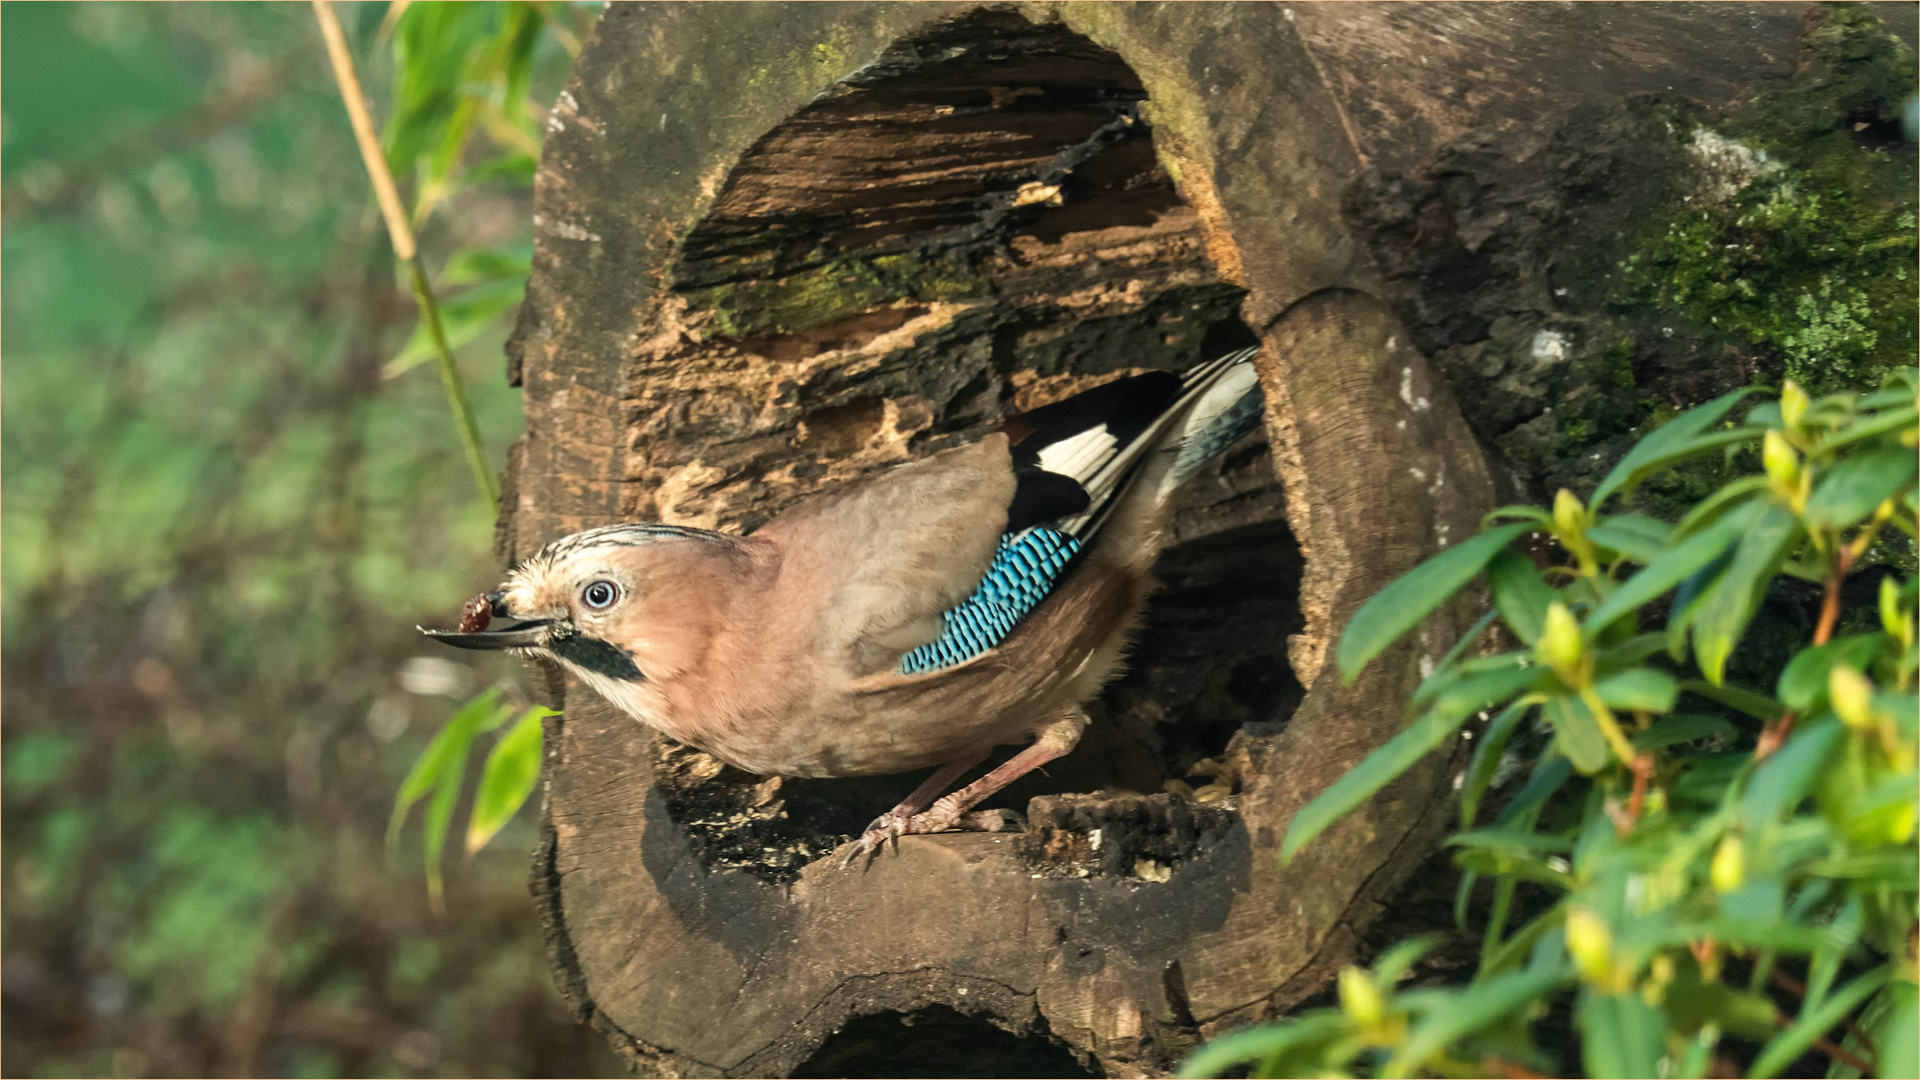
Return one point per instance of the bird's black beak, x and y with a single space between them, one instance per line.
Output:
526 634
474 619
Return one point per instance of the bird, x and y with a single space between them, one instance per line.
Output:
918 616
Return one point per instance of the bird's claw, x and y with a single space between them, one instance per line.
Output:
883 828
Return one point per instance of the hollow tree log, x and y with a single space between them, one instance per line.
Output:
780 246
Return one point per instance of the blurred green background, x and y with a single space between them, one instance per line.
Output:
222 521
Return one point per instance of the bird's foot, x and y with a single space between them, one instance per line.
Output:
891 827
882 829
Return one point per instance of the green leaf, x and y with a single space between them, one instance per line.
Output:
1511 840
1670 569
1784 779
1897 1033
1464 1013
1486 759
1891 789
1639 688
1887 867
1629 653
1399 959
1692 1003
1620 1035
1864 429
1520 593
1762 899
1680 729
1260 1043
1803 685
446 752
1795 1040
1507 864
1699 1054
1449 670
518 168
1852 489
1710 509
1519 512
512 770
1578 733
1400 753
469 266
1463 897
1663 445
462 318
1413 596
1733 597
1841 933
1636 536
1503 890
1758 706
1548 775
1542 942
1897 388
1706 776
439 821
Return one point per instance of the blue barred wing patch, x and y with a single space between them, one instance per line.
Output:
1022 574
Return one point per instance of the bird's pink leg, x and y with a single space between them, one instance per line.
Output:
950 812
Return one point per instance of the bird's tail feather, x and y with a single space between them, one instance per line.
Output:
1226 412
1219 403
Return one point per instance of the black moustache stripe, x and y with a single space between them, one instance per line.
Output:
593 654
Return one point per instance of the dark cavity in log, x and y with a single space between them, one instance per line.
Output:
973 226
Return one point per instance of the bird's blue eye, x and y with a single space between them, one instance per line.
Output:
600 595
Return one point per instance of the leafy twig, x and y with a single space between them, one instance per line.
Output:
404 246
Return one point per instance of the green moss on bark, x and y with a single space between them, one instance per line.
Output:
1798 234
838 290
1654 252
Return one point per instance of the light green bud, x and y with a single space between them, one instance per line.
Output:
1569 516
1590 944
1782 463
1728 871
1360 999
1560 647
1793 404
1851 695
1899 629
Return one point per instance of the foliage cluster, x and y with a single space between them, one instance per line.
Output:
222 522
1682 842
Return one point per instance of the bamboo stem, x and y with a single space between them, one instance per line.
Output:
363 133
456 389
404 247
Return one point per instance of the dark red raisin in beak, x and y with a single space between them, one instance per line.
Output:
475 615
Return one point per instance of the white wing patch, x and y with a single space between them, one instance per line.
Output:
1081 456
1111 467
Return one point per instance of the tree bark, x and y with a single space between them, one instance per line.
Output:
767 261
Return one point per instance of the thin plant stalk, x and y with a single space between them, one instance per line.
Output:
388 196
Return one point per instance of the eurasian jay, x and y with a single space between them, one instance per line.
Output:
915 617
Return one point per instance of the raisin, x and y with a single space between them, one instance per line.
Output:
475 615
